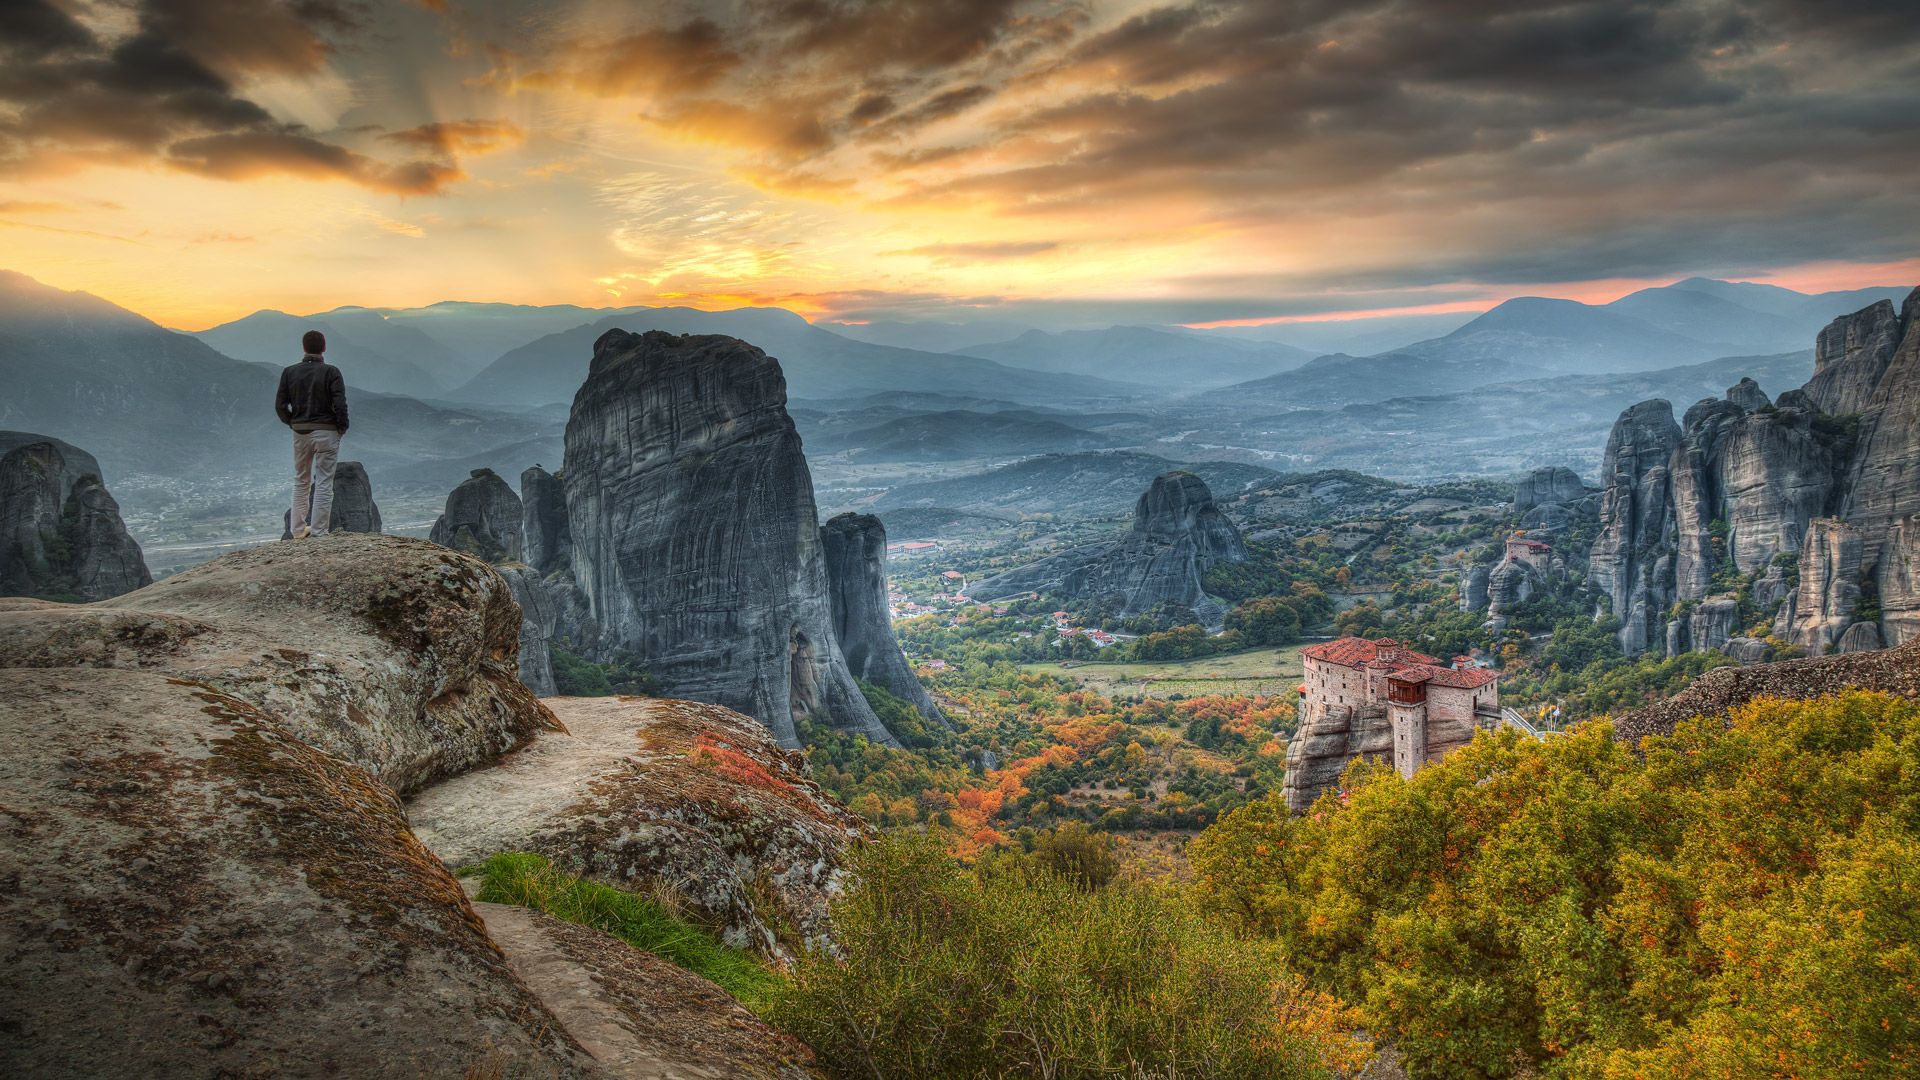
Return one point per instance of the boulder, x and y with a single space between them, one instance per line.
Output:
1747 394
387 652
1712 622
483 517
696 543
193 890
353 506
855 547
1553 485
1860 637
1178 534
1747 650
539 621
647 793
61 536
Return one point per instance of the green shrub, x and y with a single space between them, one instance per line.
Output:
946 970
576 676
531 881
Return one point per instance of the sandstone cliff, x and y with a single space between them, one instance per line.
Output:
695 540
856 554
1177 535
1719 508
61 536
353 506
212 871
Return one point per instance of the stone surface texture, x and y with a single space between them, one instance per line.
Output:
644 792
61 536
195 891
387 652
696 542
855 547
1893 671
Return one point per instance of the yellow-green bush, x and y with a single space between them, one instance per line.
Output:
1744 900
955 971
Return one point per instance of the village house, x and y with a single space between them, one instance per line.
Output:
1379 699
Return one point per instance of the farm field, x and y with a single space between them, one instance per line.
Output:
1254 672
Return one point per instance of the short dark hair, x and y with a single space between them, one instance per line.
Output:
314 342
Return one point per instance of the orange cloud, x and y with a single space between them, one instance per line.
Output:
241 156
454 137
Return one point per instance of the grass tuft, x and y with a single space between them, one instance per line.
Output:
531 881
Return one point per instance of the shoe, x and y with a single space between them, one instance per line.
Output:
302 533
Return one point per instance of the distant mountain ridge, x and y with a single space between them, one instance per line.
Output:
1145 355
818 364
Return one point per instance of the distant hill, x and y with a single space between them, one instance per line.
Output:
376 354
1707 317
1355 337
1065 485
1812 310
1144 355
927 336
959 435
481 333
1340 380
149 401
1566 336
817 364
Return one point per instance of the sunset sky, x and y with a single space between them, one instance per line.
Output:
1055 163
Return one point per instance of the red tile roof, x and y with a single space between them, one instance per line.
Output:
1356 652
1471 679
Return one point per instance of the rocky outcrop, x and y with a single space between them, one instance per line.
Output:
696 543
855 547
386 652
1178 534
1474 592
1894 671
1510 584
1631 564
210 870
194 890
540 611
1748 478
483 517
641 792
61 537
353 506
546 543
1323 748
1553 485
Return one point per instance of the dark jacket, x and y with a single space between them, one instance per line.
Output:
312 392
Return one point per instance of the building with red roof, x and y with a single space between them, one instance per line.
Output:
1378 699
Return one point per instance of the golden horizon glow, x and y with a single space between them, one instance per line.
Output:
1026 160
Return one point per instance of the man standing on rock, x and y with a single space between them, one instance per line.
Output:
313 402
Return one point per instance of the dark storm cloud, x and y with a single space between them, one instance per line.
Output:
168 92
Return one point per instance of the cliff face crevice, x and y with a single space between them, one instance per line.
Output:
1178 534
1828 476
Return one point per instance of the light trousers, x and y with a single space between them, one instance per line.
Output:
315 453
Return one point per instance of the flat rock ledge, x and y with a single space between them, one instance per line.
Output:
653 794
